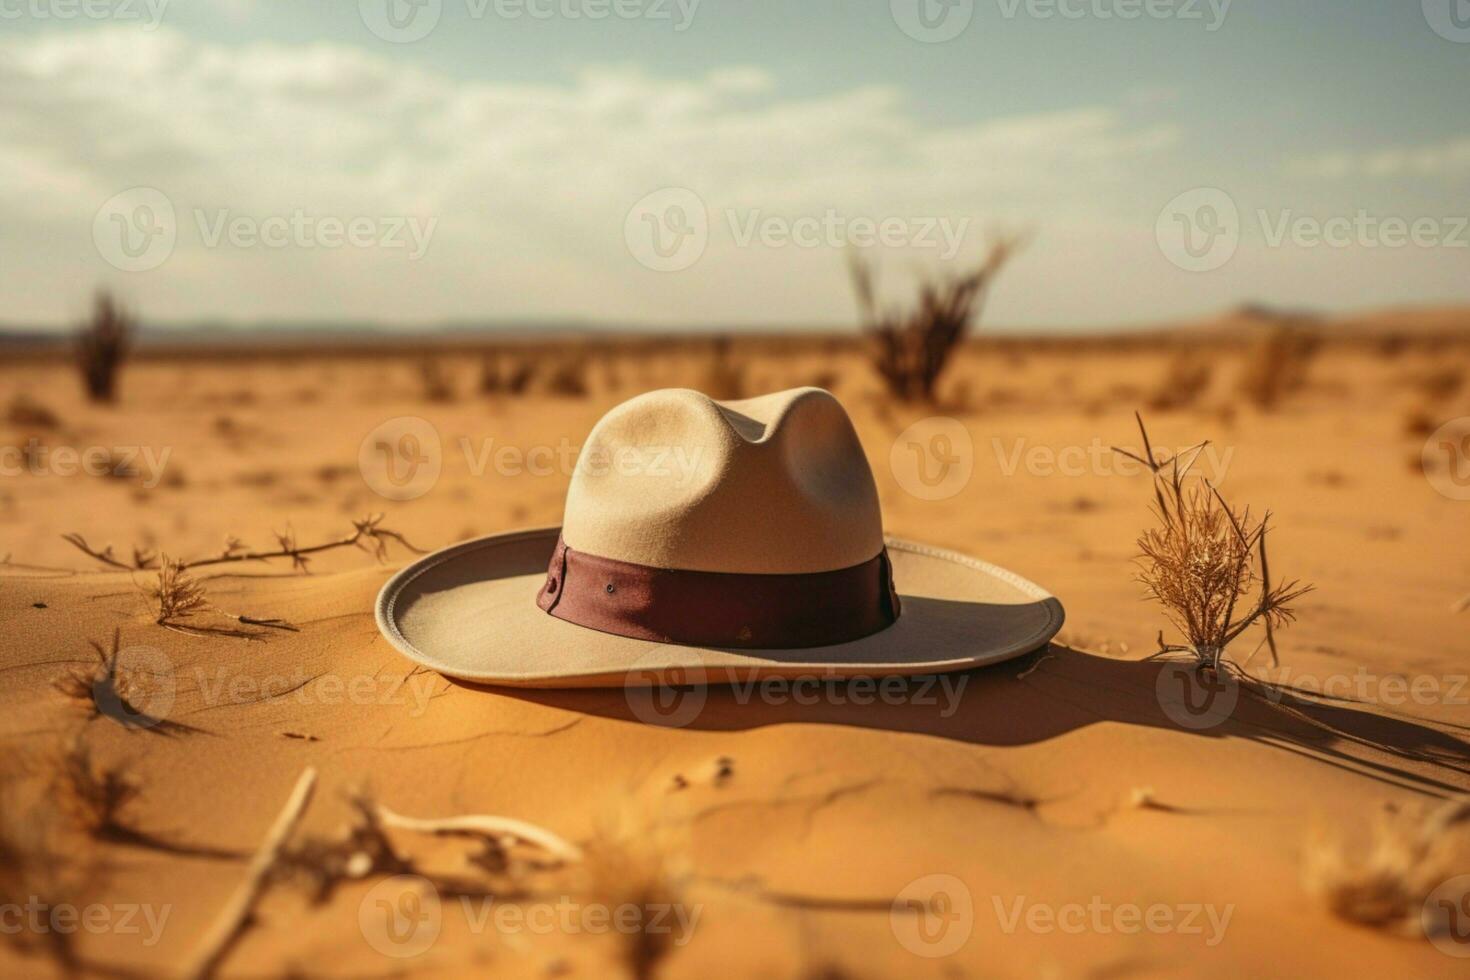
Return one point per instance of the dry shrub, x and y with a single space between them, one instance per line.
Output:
513 381
911 348
635 871
568 378
723 378
177 593
90 795
1277 365
102 346
434 381
1185 380
1386 884
1206 562
26 412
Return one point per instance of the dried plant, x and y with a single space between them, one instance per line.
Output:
1386 885
637 872
26 412
434 381
568 379
34 870
1277 365
92 796
102 346
1206 562
110 689
1185 380
515 381
368 534
177 593
911 348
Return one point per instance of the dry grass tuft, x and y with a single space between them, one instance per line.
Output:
1206 563
92 796
635 871
178 594
1386 884
911 348
102 346
568 378
515 380
1277 365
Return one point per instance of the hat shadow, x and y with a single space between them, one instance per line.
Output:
1054 691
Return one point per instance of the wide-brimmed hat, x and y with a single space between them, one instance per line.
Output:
711 542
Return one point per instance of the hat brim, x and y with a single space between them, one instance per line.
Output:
469 612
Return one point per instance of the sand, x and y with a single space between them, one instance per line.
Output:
1091 833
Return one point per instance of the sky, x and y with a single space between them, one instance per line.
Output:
711 164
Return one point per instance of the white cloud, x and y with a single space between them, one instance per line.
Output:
1446 158
530 183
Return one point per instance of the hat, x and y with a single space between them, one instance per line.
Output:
711 542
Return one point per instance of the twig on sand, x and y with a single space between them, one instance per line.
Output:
231 922
498 829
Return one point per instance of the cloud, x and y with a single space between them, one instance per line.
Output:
530 183
1442 159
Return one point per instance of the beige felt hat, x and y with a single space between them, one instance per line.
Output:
711 542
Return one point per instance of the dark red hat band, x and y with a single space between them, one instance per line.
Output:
720 609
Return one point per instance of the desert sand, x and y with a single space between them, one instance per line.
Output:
1060 789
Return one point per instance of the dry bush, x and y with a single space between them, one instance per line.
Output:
635 871
1206 562
1386 884
910 348
1185 380
434 381
514 381
1277 365
90 795
723 379
26 412
568 378
102 346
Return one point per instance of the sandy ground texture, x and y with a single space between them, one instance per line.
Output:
1066 814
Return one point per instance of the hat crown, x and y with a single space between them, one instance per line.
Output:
770 485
